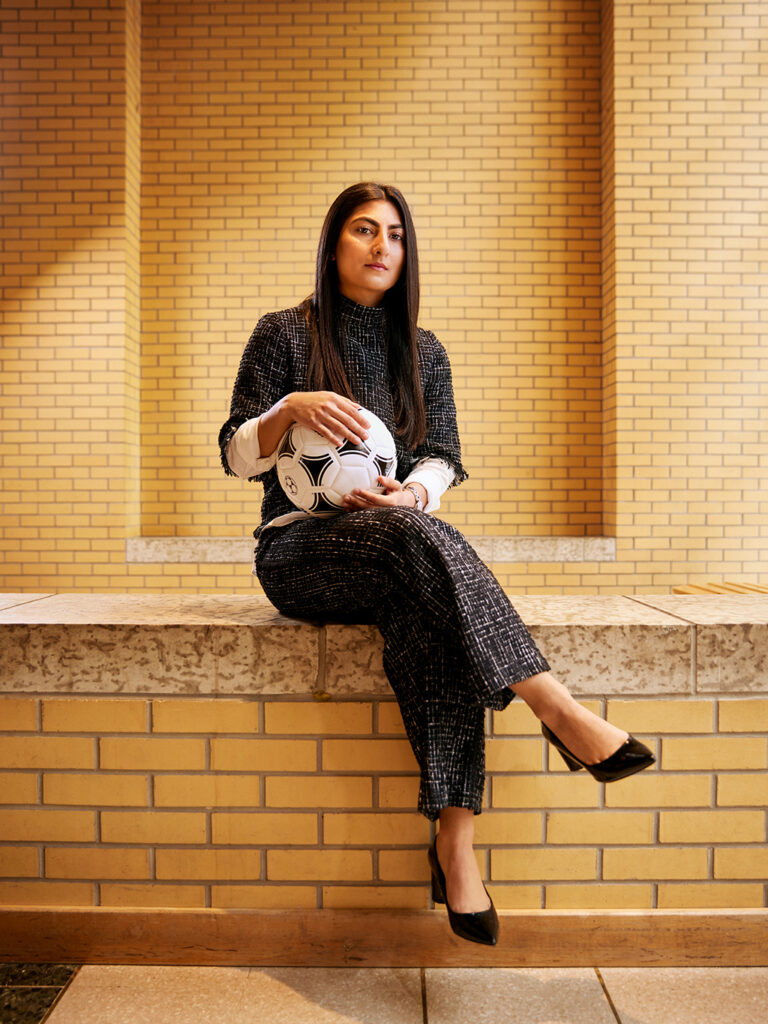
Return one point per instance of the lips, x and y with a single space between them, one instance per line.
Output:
377 266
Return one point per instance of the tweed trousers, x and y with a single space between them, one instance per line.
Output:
453 643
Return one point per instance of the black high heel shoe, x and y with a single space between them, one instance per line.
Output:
632 756
481 926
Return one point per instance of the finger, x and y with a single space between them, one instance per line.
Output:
355 422
371 497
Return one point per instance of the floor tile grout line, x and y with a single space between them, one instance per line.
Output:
424 1015
607 995
60 995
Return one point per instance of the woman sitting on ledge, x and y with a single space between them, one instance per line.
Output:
453 643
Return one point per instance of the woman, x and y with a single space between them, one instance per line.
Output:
453 644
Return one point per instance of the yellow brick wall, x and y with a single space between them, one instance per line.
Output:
686 405
586 180
69 297
193 802
256 116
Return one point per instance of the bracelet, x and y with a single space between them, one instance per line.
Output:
419 506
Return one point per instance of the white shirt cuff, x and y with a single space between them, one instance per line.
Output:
243 453
435 476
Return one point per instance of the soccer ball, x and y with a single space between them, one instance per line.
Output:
315 474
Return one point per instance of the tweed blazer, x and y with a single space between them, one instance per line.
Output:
276 362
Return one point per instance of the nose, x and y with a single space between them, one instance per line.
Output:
381 244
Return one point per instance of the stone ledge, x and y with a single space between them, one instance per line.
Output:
239 644
225 550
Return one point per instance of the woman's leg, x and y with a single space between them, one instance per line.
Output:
453 645
465 891
590 737
382 566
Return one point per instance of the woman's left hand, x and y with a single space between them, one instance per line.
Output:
393 494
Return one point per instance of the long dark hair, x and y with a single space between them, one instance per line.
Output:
401 302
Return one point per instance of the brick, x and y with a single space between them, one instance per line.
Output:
47 894
317 718
84 863
513 755
207 865
395 896
46 752
655 863
656 789
320 792
708 894
153 895
516 720
217 790
78 714
264 896
599 827
48 826
598 897
398 791
403 866
319 865
745 789
264 829
263 755
366 755
390 719
743 716
545 791
526 865
662 716
500 828
169 827
515 897
382 829
19 861
744 862
18 787
205 716
151 754
98 790
712 826
18 714
719 752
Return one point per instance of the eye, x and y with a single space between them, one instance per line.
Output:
363 229
396 237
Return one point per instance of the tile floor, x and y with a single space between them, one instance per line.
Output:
63 994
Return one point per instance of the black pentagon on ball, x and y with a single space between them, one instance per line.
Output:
321 503
348 446
316 466
384 466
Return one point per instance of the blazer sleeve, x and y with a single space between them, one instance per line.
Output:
262 378
442 438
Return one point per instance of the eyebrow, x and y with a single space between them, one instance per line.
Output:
375 222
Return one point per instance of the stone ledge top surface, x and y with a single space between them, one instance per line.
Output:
255 610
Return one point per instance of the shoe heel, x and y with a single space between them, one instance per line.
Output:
437 895
572 763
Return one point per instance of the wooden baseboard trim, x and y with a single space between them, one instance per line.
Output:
382 938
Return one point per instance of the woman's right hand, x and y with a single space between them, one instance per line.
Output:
331 415
335 417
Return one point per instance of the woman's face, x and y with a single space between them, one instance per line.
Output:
370 252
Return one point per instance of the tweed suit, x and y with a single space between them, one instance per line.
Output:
453 643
